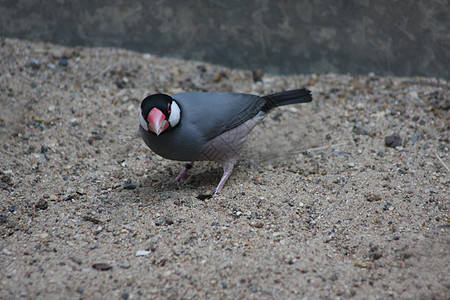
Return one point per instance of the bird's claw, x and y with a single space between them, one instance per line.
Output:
184 173
182 176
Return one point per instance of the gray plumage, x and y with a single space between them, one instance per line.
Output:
204 116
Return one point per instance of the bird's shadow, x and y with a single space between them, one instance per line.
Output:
203 182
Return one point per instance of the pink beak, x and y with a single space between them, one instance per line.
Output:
157 121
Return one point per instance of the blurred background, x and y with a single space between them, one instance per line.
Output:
386 37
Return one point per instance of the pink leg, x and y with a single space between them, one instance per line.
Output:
184 173
227 169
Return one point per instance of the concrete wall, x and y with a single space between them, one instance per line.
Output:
389 37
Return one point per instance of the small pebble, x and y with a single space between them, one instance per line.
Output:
393 141
99 229
6 177
74 122
102 266
373 197
34 64
129 186
217 76
415 137
63 62
257 224
91 219
77 260
336 153
257 75
142 253
214 223
202 68
377 254
351 164
125 296
380 154
80 290
41 204
125 266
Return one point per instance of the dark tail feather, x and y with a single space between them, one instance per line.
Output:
286 98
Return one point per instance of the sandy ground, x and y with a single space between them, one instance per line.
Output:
318 206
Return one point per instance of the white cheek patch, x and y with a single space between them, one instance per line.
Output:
175 113
142 121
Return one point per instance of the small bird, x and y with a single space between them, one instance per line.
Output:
206 126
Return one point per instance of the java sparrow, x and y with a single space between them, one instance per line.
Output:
207 126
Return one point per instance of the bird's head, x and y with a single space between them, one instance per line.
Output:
158 113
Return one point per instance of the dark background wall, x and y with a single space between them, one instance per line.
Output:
388 37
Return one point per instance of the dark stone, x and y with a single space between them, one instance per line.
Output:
125 296
257 75
333 277
63 62
41 204
3 219
377 254
102 266
91 219
130 186
6 177
393 141
34 64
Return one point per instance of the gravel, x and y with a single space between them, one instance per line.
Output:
319 206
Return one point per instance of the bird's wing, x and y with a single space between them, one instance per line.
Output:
215 113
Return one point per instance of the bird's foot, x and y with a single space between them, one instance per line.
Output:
227 169
183 174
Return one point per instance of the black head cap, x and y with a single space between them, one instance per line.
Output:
160 101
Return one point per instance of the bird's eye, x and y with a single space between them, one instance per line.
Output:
168 108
